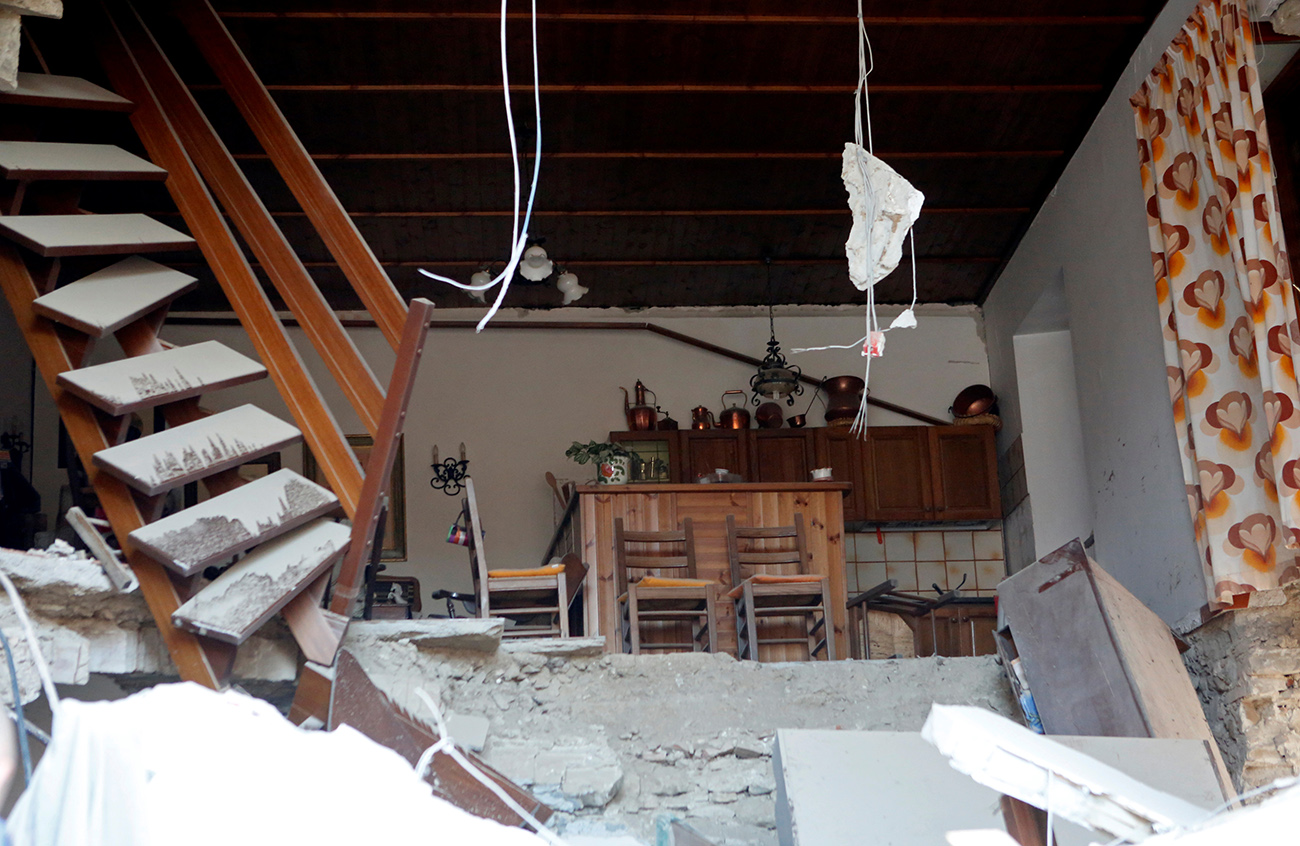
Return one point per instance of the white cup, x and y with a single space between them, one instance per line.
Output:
821 474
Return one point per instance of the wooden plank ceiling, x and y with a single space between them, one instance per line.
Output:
682 140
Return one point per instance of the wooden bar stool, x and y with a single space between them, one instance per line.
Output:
645 597
797 594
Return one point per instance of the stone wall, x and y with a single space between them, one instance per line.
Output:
1246 665
616 741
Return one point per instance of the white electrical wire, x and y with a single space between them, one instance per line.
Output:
518 235
446 744
33 644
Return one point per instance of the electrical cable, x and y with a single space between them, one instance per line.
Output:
23 748
519 236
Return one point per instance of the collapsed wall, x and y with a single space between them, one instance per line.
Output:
614 742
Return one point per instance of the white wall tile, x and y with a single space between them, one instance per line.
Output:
869 548
929 546
957 546
989 573
870 575
929 573
904 573
958 569
988 545
900 546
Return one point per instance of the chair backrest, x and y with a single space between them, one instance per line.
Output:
477 559
764 556
626 559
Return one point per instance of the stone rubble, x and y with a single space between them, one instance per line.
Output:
617 742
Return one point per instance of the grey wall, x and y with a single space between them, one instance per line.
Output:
1092 233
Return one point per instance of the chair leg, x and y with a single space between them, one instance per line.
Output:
697 629
561 594
634 620
751 624
828 622
711 616
624 628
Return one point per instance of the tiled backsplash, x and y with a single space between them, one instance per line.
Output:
917 560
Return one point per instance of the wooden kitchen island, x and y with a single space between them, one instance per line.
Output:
661 507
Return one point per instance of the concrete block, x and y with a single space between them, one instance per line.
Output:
11 40
469 730
36 8
573 647
470 633
592 786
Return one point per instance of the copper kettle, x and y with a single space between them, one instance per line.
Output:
733 416
701 418
642 416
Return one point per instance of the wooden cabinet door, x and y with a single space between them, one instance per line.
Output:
780 455
964 468
840 450
705 450
896 474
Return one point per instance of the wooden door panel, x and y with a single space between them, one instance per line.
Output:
706 451
965 473
780 456
841 451
897 474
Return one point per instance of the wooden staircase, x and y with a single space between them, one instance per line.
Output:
280 531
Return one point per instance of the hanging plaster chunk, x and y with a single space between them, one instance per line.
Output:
884 208
226 525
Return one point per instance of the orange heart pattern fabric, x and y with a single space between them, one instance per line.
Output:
1227 308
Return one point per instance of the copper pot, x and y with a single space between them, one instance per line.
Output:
769 416
733 416
642 416
977 399
843 398
701 418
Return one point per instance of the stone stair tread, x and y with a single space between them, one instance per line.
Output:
176 456
219 528
130 384
54 235
244 597
56 160
70 92
109 299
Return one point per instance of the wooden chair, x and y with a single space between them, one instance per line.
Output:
797 594
535 599
645 597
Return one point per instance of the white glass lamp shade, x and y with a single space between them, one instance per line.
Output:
568 285
482 277
536 266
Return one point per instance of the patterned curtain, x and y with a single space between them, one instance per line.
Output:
1226 302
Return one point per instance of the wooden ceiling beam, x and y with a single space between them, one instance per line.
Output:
835 212
777 20
793 262
674 154
665 88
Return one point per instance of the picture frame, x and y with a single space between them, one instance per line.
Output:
394 547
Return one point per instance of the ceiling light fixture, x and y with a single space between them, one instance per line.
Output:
776 378
535 267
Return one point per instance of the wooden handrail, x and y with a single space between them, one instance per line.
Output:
296 166
319 322
379 466
232 271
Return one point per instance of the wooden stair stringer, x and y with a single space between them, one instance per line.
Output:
197 659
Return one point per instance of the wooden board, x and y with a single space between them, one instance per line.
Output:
224 526
130 384
52 160
53 235
355 701
244 597
35 8
109 299
662 507
172 457
70 92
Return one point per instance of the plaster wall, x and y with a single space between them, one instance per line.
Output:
1053 440
517 399
1091 233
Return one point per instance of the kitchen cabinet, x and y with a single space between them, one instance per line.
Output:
840 450
780 455
896 474
899 473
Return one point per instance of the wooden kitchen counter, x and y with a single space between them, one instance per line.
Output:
653 508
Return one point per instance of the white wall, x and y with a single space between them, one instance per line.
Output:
1055 469
519 398
1091 233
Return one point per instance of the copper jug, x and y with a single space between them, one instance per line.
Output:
701 418
642 416
733 416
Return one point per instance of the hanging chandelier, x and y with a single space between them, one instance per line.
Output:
776 379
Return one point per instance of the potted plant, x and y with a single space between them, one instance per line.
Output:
613 461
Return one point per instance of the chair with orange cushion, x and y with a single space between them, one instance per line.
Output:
534 600
651 597
792 592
